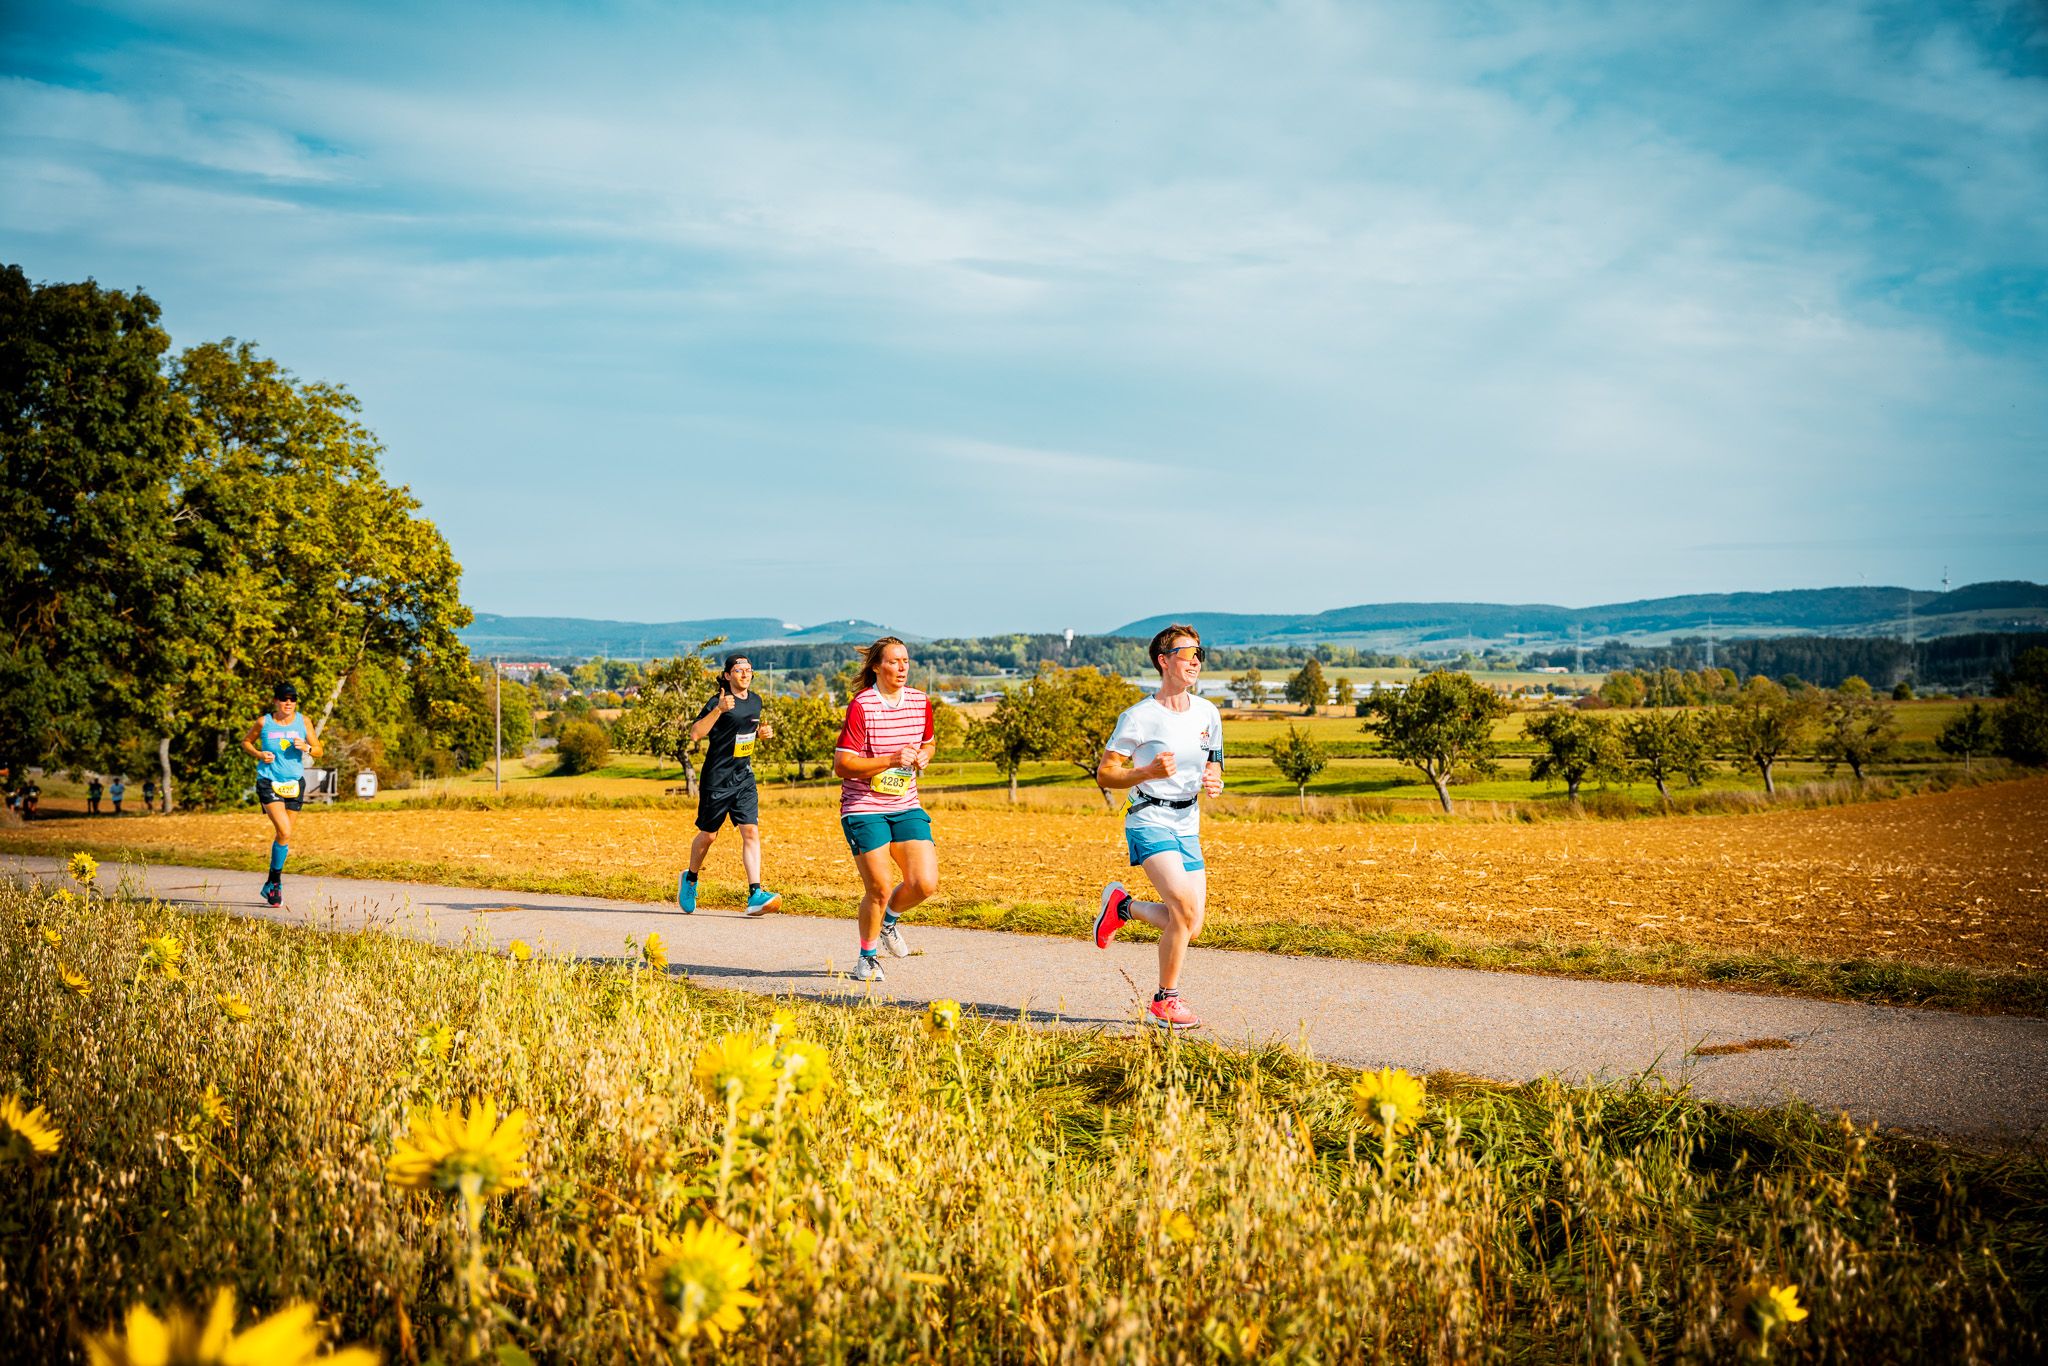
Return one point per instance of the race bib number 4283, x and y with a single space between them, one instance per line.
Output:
893 782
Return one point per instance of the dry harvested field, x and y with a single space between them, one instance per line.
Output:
1951 878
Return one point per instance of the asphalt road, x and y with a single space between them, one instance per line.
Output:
1980 1078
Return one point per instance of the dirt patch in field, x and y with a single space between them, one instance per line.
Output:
1958 877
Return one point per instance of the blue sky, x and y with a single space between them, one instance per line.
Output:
974 317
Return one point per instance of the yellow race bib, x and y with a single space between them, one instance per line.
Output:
893 782
743 745
287 789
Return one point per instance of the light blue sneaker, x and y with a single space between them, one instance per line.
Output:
686 894
761 901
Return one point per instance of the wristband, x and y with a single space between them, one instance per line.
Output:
1216 757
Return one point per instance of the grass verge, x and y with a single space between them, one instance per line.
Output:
1876 981
679 1188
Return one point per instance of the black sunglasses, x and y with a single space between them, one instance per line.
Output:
1201 652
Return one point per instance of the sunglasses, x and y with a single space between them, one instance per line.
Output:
1201 653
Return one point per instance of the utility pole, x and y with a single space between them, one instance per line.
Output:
1579 644
1710 642
498 725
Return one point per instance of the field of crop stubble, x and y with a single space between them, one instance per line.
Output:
1956 878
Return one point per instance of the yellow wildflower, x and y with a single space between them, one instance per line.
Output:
51 937
520 950
780 1023
1180 1228
161 953
443 1149
807 1072
64 898
1390 1098
74 981
435 1041
738 1068
1761 1309
942 1017
84 868
655 952
290 1337
701 1278
233 1006
213 1110
26 1132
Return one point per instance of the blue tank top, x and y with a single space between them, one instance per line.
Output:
287 740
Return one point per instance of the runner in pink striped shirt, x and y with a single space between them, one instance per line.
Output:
885 743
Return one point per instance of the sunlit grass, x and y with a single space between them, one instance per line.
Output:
940 1189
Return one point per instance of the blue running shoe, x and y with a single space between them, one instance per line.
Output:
761 902
686 894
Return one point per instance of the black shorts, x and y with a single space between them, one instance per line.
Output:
740 805
266 794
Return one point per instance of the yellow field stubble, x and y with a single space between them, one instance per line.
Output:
1956 877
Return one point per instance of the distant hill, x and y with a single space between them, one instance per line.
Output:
580 637
2002 606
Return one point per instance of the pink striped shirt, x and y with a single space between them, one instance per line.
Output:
874 728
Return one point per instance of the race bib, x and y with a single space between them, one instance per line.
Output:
893 782
288 788
743 745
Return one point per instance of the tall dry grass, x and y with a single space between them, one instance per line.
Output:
996 1194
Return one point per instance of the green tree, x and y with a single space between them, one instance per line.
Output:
2023 720
306 565
806 728
583 747
672 692
1029 722
1971 732
1622 689
1299 758
1249 688
1090 701
1341 691
1441 723
1856 729
1575 747
91 583
1666 743
1765 722
1902 691
949 728
1309 687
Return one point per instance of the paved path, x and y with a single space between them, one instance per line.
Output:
1974 1077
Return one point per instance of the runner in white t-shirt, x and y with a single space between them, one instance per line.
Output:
1169 750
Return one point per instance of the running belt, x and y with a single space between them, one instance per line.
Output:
1141 799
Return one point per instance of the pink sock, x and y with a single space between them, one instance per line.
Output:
870 945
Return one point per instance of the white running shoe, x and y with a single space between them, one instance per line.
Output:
866 969
892 940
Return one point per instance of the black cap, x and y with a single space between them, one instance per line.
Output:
735 657
284 692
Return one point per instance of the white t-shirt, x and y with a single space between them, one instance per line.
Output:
1146 731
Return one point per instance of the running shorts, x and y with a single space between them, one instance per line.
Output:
741 806
267 792
1145 841
867 831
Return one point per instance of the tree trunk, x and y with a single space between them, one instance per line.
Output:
1662 790
1013 787
1856 770
1571 790
163 761
1301 798
1443 791
1770 789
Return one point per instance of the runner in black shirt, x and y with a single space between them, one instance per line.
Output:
731 719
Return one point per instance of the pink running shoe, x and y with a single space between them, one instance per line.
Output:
1171 1013
1114 914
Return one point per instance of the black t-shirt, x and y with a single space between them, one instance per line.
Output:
729 752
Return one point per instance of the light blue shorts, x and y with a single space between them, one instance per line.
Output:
1147 840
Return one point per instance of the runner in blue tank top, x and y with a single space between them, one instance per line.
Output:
281 741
